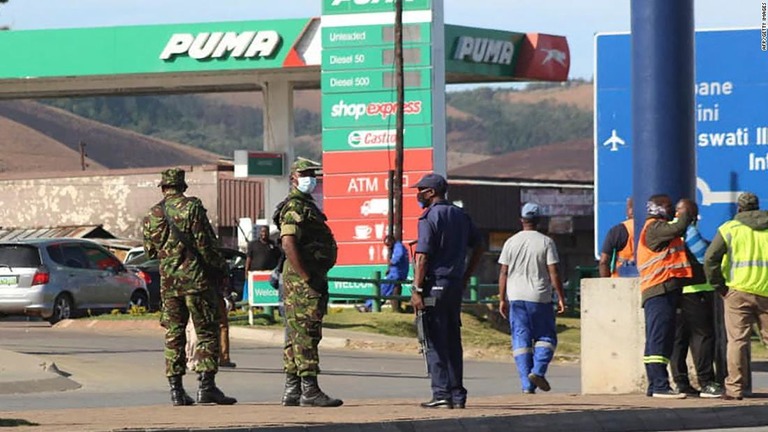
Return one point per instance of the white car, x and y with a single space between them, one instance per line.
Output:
57 278
133 253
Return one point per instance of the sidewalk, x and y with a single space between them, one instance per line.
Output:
545 412
332 338
551 413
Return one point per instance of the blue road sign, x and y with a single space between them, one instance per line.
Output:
731 126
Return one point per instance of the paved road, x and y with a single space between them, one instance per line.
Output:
126 369
750 429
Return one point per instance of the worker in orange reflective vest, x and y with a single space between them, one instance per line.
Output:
619 246
664 269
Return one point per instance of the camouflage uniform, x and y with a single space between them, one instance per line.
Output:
186 289
305 305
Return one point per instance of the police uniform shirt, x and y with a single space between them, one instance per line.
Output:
445 232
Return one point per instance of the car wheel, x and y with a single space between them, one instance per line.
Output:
62 308
139 299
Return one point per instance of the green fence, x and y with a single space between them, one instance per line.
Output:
261 294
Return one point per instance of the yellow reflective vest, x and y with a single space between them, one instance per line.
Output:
745 266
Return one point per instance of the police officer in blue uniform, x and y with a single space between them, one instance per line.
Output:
441 274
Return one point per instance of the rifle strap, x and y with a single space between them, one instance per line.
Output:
182 236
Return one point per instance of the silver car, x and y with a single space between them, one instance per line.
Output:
57 278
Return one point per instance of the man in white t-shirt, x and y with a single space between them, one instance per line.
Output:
526 279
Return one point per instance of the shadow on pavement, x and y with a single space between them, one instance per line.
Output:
16 422
248 370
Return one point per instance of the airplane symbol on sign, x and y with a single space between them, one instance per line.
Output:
614 141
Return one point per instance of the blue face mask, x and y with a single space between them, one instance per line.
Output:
306 184
423 202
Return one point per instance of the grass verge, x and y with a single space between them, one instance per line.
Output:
484 333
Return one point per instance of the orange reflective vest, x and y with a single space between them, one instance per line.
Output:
626 255
658 267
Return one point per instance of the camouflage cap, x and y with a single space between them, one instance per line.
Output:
173 177
748 201
303 164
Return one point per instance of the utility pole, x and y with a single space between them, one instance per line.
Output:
83 165
397 187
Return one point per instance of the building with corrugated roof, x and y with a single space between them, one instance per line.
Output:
559 177
117 200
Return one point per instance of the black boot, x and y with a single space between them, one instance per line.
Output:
311 395
208 393
292 392
179 396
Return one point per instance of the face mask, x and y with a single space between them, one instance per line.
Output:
423 202
306 184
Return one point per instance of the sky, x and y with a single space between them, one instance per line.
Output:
578 20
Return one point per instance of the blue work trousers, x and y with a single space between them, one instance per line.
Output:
445 356
660 314
534 338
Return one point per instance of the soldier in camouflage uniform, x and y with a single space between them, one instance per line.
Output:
310 251
178 233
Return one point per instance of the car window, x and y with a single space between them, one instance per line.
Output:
73 256
99 258
19 256
137 259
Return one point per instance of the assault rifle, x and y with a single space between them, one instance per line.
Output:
421 335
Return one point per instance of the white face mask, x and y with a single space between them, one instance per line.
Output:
306 184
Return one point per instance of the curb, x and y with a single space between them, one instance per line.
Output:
277 337
637 420
272 337
122 325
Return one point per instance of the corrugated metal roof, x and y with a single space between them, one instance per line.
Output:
239 198
75 231
570 162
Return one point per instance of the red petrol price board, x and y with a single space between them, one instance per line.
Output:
367 208
364 253
375 161
366 185
369 230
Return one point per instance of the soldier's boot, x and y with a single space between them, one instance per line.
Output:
312 396
208 393
179 396
292 393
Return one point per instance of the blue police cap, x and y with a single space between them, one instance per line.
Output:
432 181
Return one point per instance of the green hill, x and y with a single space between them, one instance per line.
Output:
483 121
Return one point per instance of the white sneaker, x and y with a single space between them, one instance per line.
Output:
668 394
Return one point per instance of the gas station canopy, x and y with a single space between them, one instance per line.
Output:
241 55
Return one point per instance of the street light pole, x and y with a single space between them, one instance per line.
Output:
397 187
